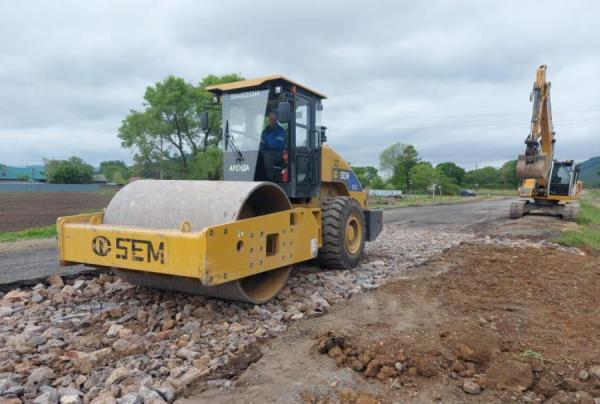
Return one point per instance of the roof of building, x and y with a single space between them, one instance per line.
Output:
16 173
237 85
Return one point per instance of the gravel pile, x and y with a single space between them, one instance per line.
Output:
101 340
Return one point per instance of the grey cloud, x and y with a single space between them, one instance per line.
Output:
452 78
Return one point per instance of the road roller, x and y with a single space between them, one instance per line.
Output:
286 197
547 186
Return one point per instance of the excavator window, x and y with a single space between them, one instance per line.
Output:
560 182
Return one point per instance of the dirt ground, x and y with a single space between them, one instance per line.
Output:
507 324
20 211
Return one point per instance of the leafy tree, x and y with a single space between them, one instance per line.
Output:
423 176
368 177
71 171
23 177
209 164
488 177
508 174
398 160
118 178
167 131
113 167
452 171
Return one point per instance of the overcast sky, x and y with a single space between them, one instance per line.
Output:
452 78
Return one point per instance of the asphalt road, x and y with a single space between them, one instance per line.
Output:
35 259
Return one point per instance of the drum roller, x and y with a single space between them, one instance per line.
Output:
165 205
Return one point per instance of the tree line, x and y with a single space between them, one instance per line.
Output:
168 143
402 168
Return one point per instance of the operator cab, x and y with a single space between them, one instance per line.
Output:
272 132
563 180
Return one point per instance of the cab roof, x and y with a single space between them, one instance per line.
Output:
238 85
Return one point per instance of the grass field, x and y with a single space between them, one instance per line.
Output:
422 199
588 233
36 232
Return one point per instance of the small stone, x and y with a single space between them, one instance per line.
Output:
583 375
36 298
470 387
511 375
56 281
115 312
117 376
260 332
5 311
126 347
386 372
335 351
104 398
113 331
131 398
399 366
425 368
595 371
40 375
150 396
236 327
168 325
15 295
545 387
49 397
357 365
372 368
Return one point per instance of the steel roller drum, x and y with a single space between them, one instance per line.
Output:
161 204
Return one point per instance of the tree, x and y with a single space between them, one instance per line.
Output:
398 160
167 131
368 177
113 167
422 176
508 174
209 164
71 171
452 171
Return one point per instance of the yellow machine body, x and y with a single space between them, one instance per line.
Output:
213 255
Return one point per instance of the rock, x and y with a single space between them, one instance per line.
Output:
260 332
115 312
583 397
595 371
583 375
357 365
476 346
236 327
40 376
117 376
372 368
150 396
425 368
399 366
15 295
386 372
185 353
113 330
335 352
168 325
49 397
14 400
5 311
131 398
511 375
56 281
104 398
36 298
545 387
189 377
69 396
572 384
167 392
470 387
125 347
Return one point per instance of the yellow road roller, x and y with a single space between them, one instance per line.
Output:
286 197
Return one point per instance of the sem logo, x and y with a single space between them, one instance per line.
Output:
239 168
101 246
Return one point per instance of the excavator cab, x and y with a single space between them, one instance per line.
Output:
272 132
563 180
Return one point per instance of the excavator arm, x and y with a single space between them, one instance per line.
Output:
535 165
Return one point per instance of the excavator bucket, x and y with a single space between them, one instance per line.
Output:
539 169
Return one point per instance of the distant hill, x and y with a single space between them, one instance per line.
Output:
589 172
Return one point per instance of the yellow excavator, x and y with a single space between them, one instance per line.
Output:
548 186
286 198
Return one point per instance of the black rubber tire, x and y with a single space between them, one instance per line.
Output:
335 213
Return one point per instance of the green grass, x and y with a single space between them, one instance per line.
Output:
36 232
422 199
588 232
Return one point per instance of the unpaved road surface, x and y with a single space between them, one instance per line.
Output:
436 311
36 259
